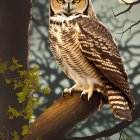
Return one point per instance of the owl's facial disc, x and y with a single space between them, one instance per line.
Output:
68 7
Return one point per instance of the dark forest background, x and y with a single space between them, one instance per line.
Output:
52 76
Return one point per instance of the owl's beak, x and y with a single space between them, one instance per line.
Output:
67 9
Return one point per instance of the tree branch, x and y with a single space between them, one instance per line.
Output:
129 28
37 22
130 5
62 116
117 128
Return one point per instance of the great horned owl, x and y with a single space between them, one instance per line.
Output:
87 53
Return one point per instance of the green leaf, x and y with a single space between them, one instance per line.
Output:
15 65
8 81
18 84
22 73
15 61
13 112
46 90
25 130
15 136
12 68
21 97
3 67
27 83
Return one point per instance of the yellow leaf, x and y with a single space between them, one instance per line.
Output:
15 61
3 67
46 90
8 81
13 112
15 136
12 68
21 97
23 73
25 130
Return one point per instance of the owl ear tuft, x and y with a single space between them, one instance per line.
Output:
90 10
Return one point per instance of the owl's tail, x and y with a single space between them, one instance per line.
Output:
119 104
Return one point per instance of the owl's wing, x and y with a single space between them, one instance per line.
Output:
99 47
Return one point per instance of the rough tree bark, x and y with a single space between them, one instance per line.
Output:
14 23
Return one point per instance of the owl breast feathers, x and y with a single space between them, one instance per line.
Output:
87 53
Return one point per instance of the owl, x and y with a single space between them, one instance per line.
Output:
87 53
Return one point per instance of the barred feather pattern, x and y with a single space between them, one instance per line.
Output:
66 50
119 104
98 45
87 53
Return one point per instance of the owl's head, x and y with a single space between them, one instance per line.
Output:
68 7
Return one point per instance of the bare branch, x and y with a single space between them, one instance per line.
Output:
117 128
129 28
130 5
36 21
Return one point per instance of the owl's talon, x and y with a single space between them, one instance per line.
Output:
89 96
66 92
88 92
81 96
71 90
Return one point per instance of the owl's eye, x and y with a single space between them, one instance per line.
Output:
77 1
60 1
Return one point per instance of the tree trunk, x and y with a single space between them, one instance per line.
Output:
14 23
